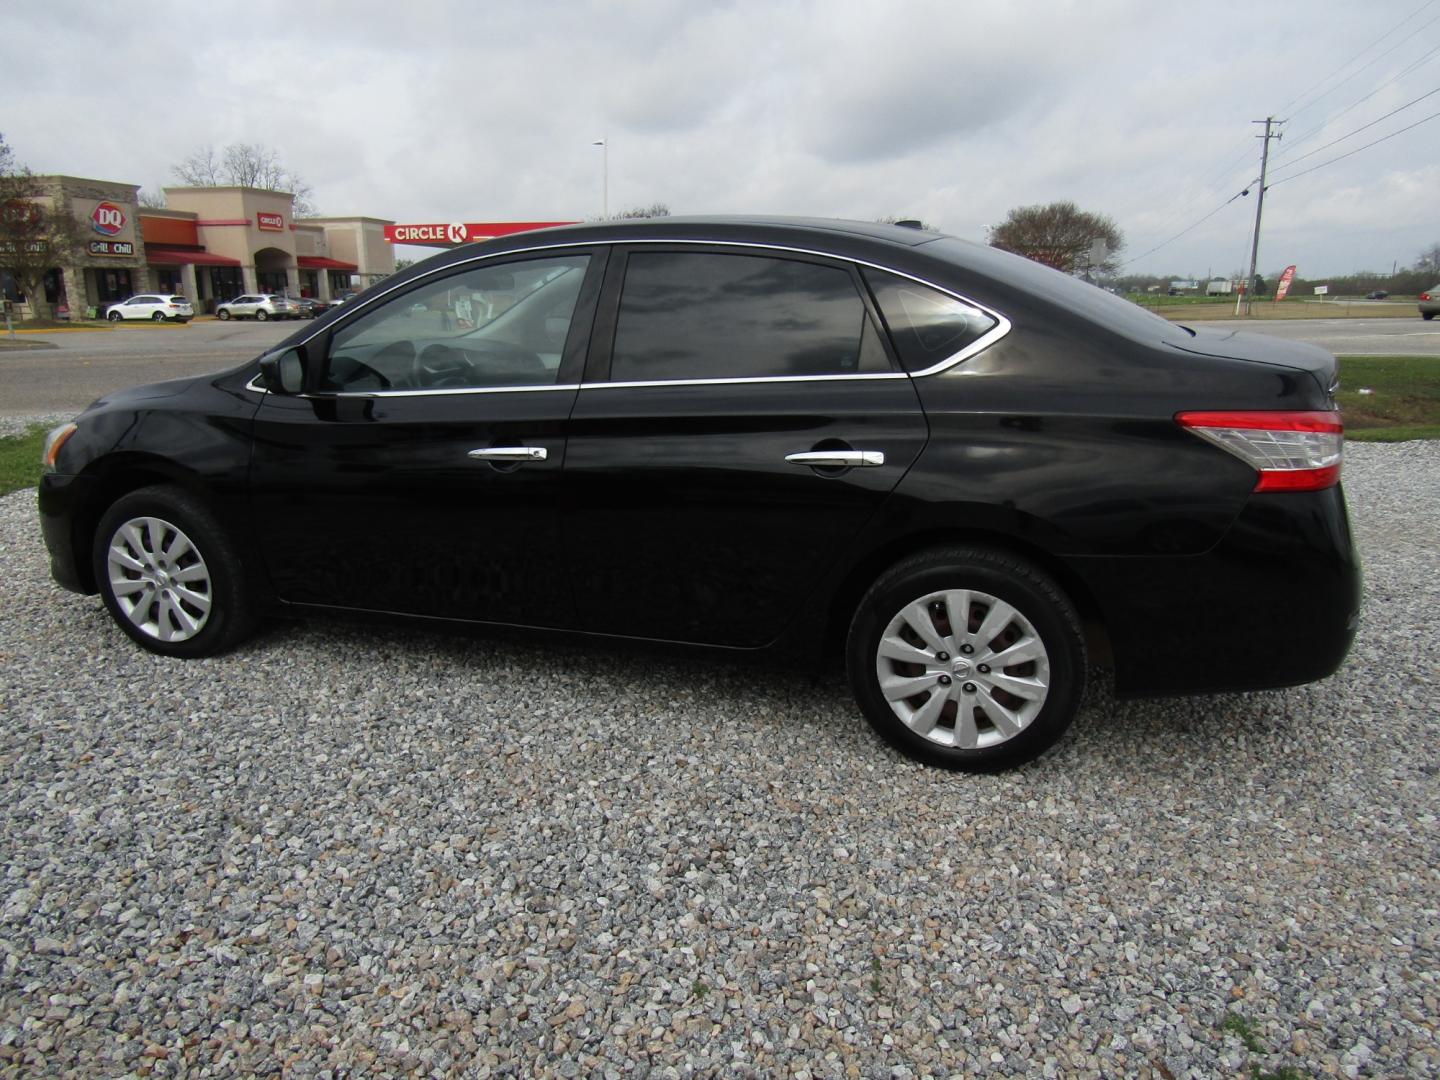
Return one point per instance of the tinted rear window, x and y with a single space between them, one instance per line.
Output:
1086 300
690 315
926 325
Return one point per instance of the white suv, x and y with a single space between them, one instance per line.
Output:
258 306
158 307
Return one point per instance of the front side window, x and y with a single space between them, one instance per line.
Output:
710 315
927 325
494 326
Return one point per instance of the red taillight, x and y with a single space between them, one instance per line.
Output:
1291 451
1424 296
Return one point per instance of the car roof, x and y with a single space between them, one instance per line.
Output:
740 223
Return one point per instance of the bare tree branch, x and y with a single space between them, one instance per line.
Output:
1059 234
246 165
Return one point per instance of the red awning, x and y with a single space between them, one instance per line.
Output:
165 256
320 262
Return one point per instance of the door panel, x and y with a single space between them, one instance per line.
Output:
712 366
695 526
375 503
422 473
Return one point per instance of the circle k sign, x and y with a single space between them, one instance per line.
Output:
457 232
107 219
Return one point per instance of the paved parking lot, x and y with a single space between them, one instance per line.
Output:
387 852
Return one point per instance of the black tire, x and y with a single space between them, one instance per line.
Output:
1039 606
223 314
1427 315
114 316
159 592
159 316
261 316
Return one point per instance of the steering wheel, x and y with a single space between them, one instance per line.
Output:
346 372
441 367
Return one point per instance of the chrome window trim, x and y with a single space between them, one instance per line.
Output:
744 379
529 389
995 333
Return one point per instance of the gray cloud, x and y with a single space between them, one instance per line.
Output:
956 112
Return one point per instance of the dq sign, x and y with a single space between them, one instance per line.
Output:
107 219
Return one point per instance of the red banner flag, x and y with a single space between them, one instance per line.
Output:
1284 286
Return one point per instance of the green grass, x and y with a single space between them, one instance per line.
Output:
20 460
1198 308
1404 405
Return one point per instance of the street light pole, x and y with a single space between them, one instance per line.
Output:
604 145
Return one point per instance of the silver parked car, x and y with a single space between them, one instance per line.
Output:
157 307
258 306
1430 303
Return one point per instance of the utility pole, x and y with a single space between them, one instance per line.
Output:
1259 204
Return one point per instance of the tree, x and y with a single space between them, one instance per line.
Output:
245 165
1061 235
151 200
1429 259
37 231
658 209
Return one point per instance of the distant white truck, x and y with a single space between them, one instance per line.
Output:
1219 287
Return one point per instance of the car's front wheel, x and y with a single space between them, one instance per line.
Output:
169 574
967 657
223 314
114 316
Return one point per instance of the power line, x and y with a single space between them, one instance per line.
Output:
1362 127
1330 120
1352 153
1357 56
1187 229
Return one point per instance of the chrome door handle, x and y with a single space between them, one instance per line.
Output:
510 453
837 459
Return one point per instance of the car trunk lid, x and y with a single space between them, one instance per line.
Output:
1262 349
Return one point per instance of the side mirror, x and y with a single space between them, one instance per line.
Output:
283 373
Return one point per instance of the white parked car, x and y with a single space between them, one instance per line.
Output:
258 306
157 307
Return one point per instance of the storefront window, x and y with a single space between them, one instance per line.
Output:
112 285
54 287
225 282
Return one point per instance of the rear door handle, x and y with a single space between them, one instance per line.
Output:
510 453
837 459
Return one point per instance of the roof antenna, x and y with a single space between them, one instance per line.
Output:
911 223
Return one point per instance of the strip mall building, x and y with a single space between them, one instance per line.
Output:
210 244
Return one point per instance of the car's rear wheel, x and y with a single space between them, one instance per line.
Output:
114 316
158 317
223 314
170 576
968 658
261 316
1427 315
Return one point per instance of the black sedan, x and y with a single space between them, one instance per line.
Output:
966 474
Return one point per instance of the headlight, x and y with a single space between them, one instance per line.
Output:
53 442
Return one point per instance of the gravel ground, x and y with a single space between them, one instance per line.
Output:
376 852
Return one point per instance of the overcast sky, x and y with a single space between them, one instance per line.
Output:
954 112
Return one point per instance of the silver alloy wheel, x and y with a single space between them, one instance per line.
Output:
963 669
159 579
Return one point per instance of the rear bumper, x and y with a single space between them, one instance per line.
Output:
1275 603
61 501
